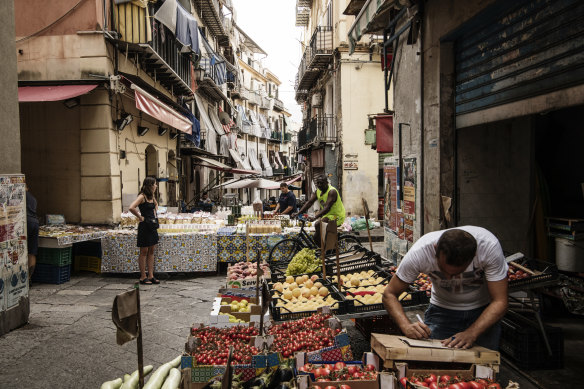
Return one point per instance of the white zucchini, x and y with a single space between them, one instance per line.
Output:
126 377
159 375
132 383
173 379
114 384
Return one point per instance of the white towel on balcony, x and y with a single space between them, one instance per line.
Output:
166 14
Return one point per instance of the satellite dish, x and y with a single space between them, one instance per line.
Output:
224 117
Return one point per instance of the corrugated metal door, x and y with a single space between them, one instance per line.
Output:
519 49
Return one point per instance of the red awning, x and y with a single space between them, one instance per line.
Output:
384 133
158 110
28 94
212 164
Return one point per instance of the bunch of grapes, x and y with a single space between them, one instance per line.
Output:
304 261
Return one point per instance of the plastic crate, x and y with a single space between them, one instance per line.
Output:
523 343
89 248
418 298
282 314
377 324
87 263
54 256
549 273
49 274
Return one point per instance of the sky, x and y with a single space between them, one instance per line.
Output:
271 24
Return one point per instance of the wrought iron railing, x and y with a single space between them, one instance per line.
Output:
278 104
321 41
321 129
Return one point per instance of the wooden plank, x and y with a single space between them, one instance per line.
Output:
390 348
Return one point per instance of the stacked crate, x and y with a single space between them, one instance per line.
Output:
87 257
53 265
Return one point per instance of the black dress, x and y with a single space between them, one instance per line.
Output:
147 230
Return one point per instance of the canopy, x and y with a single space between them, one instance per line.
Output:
293 179
212 164
259 183
28 94
373 17
149 104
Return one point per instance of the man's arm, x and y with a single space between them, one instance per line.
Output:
277 207
307 205
492 314
392 305
330 200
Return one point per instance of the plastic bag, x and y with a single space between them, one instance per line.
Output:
361 225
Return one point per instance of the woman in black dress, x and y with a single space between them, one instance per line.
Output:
32 231
147 229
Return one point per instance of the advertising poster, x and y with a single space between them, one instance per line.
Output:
390 206
409 187
409 229
13 250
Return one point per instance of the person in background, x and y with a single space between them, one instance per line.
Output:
147 229
32 231
287 201
331 205
469 287
205 199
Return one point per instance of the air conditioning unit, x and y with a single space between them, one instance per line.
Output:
316 100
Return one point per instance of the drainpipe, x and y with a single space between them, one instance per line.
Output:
421 21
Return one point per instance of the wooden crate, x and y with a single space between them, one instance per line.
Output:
392 349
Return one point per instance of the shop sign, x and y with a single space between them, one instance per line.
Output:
350 165
409 206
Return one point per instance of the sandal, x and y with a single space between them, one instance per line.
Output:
146 281
154 281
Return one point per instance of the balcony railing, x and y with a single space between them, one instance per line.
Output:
320 130
211 13
267 103
254 98
278 104
321 47
152 44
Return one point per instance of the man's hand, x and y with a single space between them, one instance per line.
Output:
463 340
295 214
417 330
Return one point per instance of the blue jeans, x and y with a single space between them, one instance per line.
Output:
446 322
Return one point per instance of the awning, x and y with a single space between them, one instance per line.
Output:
384 133
288 182
149 104
373 17
205 117
28 94
212 164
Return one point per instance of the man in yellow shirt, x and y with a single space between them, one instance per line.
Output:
331 206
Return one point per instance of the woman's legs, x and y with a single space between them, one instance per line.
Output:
151 262
142 261
31 265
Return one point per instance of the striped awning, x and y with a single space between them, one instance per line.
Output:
373 17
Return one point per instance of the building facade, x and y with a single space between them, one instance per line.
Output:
338 90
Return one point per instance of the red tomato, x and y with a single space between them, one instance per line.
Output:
454 386
344 386
465 385
444 378
339 365
494 385
370 367
431 378
357 375
422 383
433 385
476 385
483 382
321 372
403 381
352 369
331 387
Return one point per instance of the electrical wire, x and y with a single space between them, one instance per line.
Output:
52 24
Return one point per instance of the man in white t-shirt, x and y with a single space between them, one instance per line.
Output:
469 287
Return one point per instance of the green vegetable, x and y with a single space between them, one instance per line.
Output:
158 377
115 384
126 377
173 379
304 261
132 382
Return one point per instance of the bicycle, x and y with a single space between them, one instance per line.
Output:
286 249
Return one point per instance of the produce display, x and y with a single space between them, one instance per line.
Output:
445 381
304 261
242 270
340 371
167 376
215 343
306 334
516 274
303 294
423 282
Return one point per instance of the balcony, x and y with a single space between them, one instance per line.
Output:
306 77
212 16
303 12
278 104
267 103
321 47
320 130
254 98
152 45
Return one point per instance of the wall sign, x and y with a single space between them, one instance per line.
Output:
350 165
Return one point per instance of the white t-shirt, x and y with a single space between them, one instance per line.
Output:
467 290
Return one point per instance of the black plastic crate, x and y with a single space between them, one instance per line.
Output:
523 343
417 298
341 307
48 274
382 324
549 273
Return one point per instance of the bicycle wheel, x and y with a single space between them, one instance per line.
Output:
284 251
347 242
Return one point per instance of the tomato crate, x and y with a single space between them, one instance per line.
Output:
523 343
54 256
340 307
546 272
87 263
49 274
382 324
